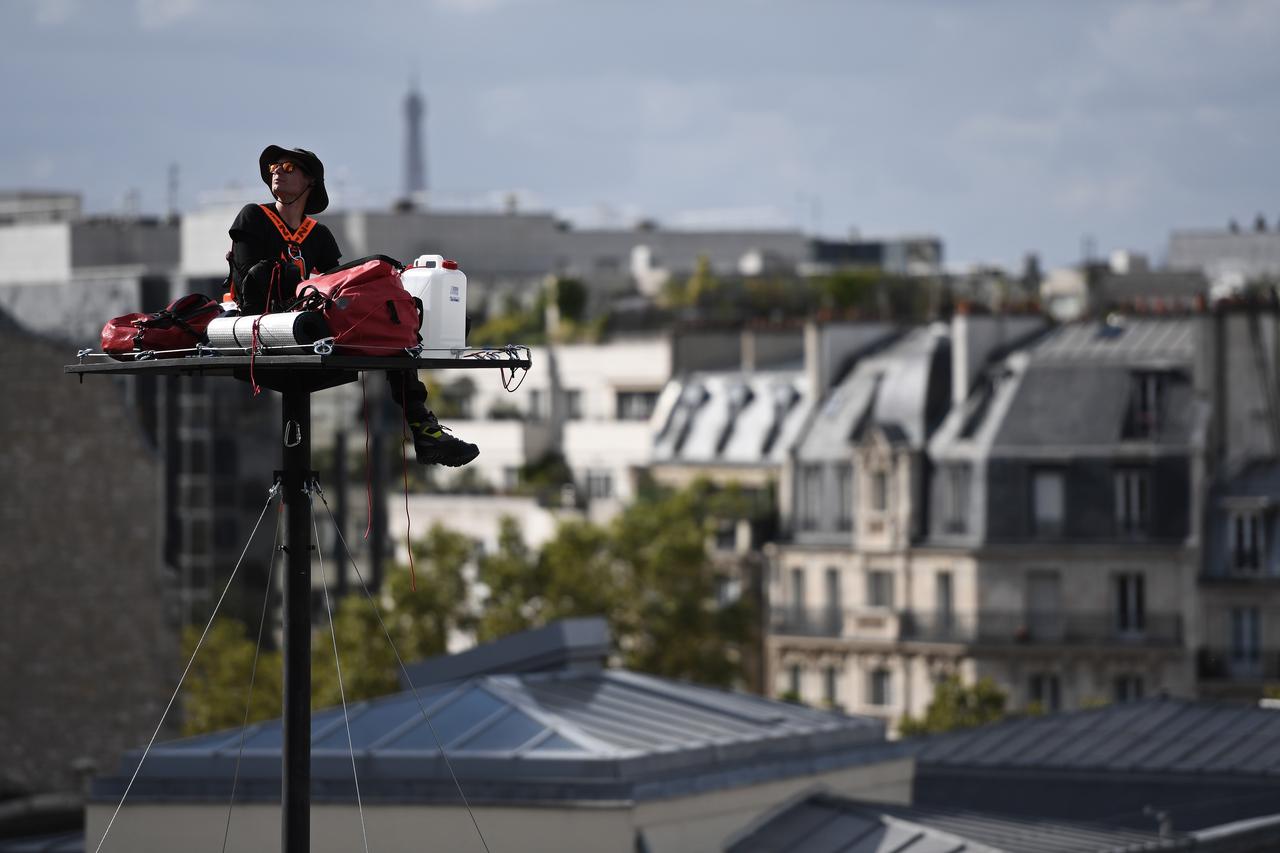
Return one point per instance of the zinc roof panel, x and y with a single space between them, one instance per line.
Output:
657 720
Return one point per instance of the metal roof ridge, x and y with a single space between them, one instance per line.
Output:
662 688
515 696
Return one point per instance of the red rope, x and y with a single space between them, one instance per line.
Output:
368 482
404 459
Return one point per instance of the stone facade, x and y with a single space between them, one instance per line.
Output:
87 654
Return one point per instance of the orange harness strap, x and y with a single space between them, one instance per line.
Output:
292 238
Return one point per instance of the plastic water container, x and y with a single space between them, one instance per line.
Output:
442 287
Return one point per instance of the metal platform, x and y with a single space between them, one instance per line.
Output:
301 370
296 377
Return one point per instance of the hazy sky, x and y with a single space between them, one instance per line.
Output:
1001 126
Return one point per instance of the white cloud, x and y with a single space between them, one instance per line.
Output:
477 7
53 13
1103 194
158 14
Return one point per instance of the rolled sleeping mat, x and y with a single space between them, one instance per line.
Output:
286 329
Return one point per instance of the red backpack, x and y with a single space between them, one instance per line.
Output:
367 309
170 333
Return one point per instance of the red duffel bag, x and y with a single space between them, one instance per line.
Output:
170 333
367 309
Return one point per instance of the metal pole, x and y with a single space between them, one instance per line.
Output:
296 753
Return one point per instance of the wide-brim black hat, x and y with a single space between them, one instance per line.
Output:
310 163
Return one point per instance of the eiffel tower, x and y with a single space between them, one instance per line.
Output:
415 161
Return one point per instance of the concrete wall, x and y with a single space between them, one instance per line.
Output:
101 243
87 655
589 252
476 516
76 309
1249 254
35 253
204 241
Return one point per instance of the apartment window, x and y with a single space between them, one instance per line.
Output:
726 536
830 684
879 687
1246 542
797 590
810 496
833 588
573 405
1127 688
537 404
834 602
1146 402
879 588
636 405
880 491
795 680
1246 640
510 477
1132 501
197 452
955 497
1044 689
944 598
599 484
199 540
1048 502
1130 598
844 497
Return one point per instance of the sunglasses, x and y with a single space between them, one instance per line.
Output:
285 166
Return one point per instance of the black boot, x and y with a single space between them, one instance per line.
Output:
433 444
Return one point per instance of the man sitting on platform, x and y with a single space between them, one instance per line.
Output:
275 246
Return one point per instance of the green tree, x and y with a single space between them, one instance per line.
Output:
647 571
668 621
956 705
217 687
419 622
511 574
850 289
703 286
571 299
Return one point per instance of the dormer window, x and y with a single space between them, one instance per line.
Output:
1132 501
1048 502
810 496
955 481
844 496
880 490
1146 404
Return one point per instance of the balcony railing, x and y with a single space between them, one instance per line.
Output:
985 628
807 621
1222 664
1019 627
